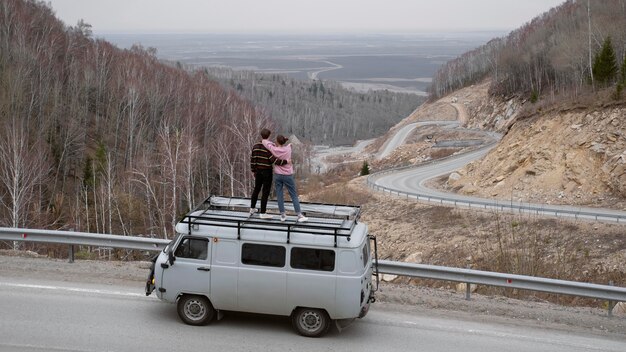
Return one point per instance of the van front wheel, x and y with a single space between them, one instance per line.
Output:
195 310
310 322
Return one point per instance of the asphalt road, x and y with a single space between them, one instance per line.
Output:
63 316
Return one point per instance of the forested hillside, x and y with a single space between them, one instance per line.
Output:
320 112
98 139
558 53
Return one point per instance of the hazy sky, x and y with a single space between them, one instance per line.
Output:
299 16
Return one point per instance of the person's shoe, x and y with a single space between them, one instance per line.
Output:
265 216
302 218
283 217
253 210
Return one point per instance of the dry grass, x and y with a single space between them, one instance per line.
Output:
438 153
339 194
588 98
341 174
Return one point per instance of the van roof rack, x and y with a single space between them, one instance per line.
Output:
324 219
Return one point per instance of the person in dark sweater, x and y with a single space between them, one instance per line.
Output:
261 163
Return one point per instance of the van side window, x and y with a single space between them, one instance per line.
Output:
192 248
262 254
312 259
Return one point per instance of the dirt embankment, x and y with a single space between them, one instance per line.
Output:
567 154
560 158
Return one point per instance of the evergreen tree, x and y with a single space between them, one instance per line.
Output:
365 169
88 173
605 65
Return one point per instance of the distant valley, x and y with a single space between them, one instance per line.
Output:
395 62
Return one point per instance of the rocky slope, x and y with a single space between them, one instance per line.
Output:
565 155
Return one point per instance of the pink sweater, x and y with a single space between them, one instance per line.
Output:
282 152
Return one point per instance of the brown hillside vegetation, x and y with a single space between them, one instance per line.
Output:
99 139
94 138
548 56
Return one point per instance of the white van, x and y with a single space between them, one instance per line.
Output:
224 259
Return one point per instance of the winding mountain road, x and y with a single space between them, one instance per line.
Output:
411 182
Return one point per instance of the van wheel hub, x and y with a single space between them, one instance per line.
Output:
311 321
195 309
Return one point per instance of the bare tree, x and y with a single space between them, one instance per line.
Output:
22 168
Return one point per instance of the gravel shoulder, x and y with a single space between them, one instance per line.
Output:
418 300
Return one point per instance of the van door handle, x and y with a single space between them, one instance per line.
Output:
204 268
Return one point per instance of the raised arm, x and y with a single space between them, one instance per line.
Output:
269 145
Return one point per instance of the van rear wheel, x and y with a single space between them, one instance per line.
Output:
310 322
195 310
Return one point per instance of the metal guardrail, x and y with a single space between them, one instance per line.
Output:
532 283
469 276
495 205
83 239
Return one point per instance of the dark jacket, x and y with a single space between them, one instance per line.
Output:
262 159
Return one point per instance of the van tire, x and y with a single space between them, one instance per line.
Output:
195 310
310 322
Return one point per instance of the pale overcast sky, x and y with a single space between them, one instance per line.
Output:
299 16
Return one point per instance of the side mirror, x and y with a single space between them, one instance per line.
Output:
170 257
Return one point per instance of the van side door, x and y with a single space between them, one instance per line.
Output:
191 270
224 273
262 281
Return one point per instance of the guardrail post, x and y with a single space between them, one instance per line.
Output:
467 290
611 303
71 254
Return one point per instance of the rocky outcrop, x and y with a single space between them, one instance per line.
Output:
559 157
485 111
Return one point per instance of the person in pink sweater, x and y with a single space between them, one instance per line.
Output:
283 176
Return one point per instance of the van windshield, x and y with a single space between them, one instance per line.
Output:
169 245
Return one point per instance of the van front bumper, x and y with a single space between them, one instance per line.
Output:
150 280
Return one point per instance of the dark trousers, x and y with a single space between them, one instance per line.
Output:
262 180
